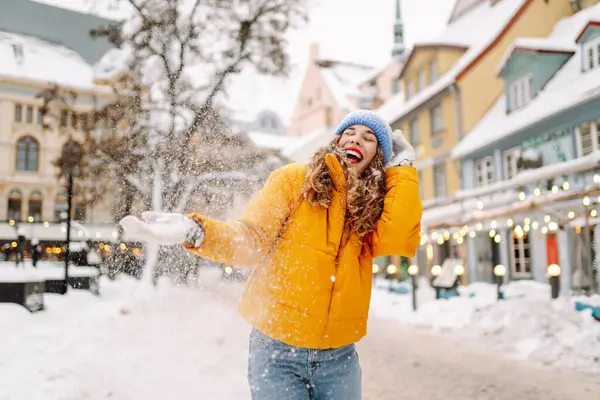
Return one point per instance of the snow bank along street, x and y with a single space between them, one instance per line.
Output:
135 342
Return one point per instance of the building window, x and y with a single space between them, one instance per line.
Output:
511 162
64 118
74 120
80 212
484 170
588 137
35 205
14 205
433 71
40 116
83 119
395 86
27 154
421 80
439 180
415 137
29 114
591 54
520 256
60 206
18 112
520 92
411 89
329 116
436 119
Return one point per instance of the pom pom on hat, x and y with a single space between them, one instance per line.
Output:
378 125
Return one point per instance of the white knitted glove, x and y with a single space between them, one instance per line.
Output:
402 149
164 228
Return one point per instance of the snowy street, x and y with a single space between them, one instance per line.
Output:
137 343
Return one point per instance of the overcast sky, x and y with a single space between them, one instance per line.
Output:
363 30
351 30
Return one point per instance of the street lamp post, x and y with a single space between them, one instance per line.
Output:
70 161
413 270
499 272
554 274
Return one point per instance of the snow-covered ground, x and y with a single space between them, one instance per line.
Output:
527 324
132 342
138 342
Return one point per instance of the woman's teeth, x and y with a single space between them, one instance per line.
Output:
354 156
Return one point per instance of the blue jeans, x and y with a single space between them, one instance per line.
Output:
277 371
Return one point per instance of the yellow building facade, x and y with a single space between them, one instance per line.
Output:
451 83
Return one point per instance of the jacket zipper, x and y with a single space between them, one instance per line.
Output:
337 263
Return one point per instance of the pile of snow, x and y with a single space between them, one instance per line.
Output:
131 342
528 324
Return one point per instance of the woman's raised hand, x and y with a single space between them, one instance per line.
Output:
164 228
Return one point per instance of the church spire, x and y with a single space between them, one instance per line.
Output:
398 49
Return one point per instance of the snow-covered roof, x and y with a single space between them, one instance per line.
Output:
390 108
375 72
343 79
488 21
111 9
568 88
34 59
547 45
249 93
271 141
304 148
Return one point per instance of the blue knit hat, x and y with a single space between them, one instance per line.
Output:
382 129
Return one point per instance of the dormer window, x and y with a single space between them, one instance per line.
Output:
520 92
591 54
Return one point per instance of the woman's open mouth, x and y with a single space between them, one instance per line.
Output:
354 155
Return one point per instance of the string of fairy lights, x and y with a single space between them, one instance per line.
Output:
521 226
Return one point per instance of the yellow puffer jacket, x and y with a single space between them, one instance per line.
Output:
311 283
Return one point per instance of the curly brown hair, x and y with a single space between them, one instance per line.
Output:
365 193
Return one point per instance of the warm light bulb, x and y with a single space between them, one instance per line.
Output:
586 200
565 185
571 215
522 196
509 222
537 191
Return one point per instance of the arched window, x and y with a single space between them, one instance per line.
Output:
27 154
80 212
35 205
60 205
15 200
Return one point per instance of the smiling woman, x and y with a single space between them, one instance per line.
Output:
311 235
